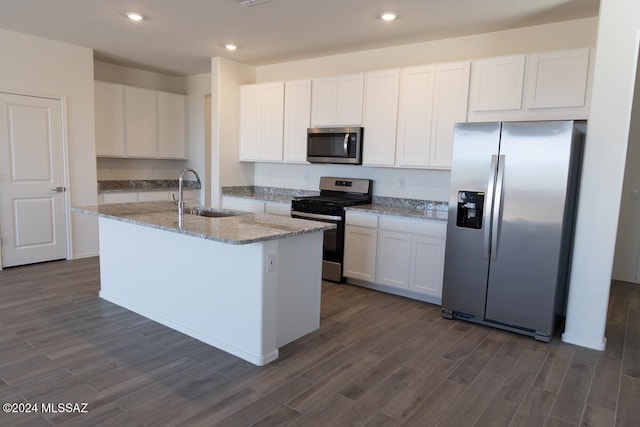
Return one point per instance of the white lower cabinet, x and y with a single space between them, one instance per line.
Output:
397 255
256 206
360 246
190 196
394 258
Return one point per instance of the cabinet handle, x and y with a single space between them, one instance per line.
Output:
58 190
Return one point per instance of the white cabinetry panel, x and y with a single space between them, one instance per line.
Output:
380 117
109 111
557 79
297 119
360 253
496 83
427 265
172 126
394 257
261 121
337 100
141 122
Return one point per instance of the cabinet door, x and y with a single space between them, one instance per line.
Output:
324 101
172 125
557 79
381 118
250 122
337 100
349 99
272 121
415 113
427 265
277 208
261 121
394 258
122 197
242 204
297 119
141 122
497 83
153 196
450 107
360 245
109 105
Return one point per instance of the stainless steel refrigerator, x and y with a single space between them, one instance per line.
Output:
510 224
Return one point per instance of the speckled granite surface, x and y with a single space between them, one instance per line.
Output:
409 208
269 194
144 185
394 206
241 228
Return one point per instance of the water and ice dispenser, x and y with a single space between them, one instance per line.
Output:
470 206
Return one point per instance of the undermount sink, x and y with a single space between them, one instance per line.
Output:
210 213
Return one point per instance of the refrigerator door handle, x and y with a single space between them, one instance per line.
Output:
489 206
497 209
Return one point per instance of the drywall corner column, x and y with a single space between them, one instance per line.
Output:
603 172
226 168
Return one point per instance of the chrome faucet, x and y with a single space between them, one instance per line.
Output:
181 191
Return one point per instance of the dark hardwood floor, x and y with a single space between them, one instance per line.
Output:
377 360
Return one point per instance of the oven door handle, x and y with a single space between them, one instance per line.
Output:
316 216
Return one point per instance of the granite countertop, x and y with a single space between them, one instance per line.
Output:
241 228
405 212
114 186
267 194
392 206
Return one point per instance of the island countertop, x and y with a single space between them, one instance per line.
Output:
237 229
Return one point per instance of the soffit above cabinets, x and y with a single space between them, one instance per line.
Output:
179 38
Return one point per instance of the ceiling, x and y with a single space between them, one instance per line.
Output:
178 37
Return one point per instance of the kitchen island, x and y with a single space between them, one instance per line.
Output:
244 283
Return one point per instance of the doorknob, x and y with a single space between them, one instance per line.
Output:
58 190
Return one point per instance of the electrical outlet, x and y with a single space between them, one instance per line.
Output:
635 195
271 262
400 183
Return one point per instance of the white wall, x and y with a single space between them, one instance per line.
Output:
36 66
226 78
198 87
562 35
140 78
625 262
603 171
420 184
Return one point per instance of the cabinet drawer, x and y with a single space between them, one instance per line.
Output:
361 219
415 226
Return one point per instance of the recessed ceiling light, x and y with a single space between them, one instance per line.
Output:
388 16
230 47
134 16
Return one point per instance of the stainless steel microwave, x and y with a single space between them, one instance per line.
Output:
335 145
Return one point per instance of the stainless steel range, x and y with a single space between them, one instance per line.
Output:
335 195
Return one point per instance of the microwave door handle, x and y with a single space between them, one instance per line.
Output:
346 144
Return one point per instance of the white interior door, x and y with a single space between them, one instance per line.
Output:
33 223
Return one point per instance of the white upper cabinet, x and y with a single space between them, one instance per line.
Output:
297 119
380 117
432 99
137 122
261 122
337 100
496 83
109 112
557 79
450 107
141 122
172 126
542 86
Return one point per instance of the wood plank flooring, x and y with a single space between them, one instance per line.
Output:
377 360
